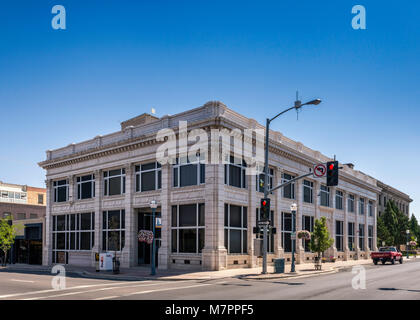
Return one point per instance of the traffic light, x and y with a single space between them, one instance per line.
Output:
265 209
332 173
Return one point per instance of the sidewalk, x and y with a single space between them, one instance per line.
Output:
143 273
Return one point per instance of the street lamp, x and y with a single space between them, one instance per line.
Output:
153 205
293 208
407 232
297 106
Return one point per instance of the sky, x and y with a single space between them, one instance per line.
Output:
118 59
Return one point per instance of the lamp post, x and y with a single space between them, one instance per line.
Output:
153 205
297 106
406 249
293 208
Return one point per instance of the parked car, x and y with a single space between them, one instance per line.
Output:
386 254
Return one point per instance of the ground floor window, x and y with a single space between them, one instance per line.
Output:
113 230
73 232
236 226
350 232
270 244
361 236
370 237
188 228
339 235
286 231
308 225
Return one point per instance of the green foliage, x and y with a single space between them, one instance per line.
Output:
320 238
414 228
392 226
7 235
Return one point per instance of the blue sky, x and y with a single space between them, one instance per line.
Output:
118 59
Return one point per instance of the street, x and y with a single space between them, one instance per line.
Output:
384 282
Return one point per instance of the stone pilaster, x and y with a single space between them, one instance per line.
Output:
300 250
252 219
375 221
333 249
356 226
366 239
345 228
164 250
47 249
317 200
128 253
214 254
97 248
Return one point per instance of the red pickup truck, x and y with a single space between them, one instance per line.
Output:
386 254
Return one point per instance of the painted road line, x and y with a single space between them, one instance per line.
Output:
55 290
97 290
19 280
107 298
166 289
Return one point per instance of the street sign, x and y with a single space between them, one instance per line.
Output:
320 170
158 222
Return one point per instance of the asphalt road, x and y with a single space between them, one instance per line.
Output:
390 282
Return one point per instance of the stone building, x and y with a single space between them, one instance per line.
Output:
99 190
402 200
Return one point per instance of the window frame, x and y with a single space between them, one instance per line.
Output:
292 186
339 195
57 186
242 229
350 203
184 162
121 230
80 182
242 166
157 170
107 177
339 225
351 236
327 192
309 186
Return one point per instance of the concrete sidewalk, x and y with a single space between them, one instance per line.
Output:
143 273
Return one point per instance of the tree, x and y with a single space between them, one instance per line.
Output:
320 238
7 236
414 227
383 233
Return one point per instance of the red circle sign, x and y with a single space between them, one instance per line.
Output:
320 170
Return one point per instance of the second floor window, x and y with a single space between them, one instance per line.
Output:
370 209
289 190
339 235
114 182
350 203
85 187
235 173
40 199
308 191
339 200
361 206
61 190
188 173
148 177
325 196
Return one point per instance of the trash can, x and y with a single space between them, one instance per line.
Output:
279 266
115 265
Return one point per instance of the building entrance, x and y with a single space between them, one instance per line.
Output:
145 249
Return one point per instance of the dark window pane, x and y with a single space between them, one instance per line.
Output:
159 179
104 220
85 221
201 210
200 239
61 194
175 177
72 241
85 240
174 219
122 219
187 240
235 216
235 176
245 217
137 182
86 190
122 239
188 175
226 215
174 241
226 238
148 166
61 241
287 245
148 181
235 241
72 222
104 238
61 222
202 173
114 219
187 215
244 243
115 172
113 240
114 186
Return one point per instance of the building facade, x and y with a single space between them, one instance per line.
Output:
27 207
98 195
402 200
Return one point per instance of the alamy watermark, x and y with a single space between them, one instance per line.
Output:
359 20
59 20
359 280
58 282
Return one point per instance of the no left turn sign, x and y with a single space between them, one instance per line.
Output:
320 170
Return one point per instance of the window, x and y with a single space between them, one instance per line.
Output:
370 237
289 190
33 216
61 190
188 228
20 216
361 206
40 199
148 177
350 203
370 208
385 202
361 236
308 225
236 225
113 230
339 235
350 232
379 198
188 173
308 191
325 196
114 182
85 186
260 180
286 231
339 200
270 244
73 232
235 173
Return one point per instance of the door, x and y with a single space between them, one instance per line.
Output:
145 249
